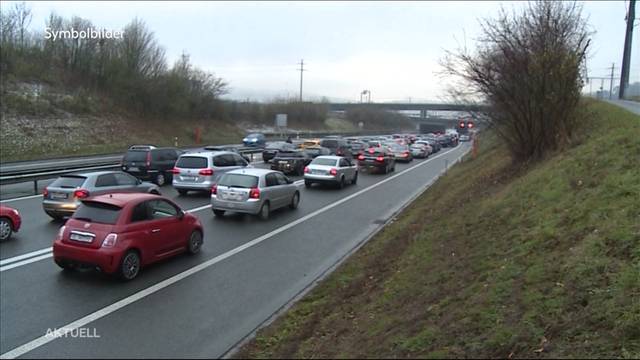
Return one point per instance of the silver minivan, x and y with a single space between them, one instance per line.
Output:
253 191
199 171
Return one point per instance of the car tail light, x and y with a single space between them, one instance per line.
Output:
214 189
371 151
122 161
254 193
110 240
361 157
81 193
380 158
406 153
149 159
61 232
339 152
333 172
45 192
306 169
206 172
175 171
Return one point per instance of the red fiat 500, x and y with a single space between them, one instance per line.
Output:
120 233
9 222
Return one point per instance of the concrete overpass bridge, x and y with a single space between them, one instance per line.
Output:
423 108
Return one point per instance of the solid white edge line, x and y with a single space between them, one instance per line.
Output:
24 256
25 262
45 339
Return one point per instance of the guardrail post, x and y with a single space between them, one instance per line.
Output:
35 187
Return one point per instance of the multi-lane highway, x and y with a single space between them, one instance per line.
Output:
198 306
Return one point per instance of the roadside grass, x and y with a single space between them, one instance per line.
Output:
492 261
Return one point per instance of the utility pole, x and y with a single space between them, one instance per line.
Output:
613 66
626 57
301 70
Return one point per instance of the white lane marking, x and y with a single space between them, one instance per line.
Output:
45 339
24 256
26 262
20 198
199 208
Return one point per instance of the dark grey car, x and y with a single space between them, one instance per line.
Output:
63 196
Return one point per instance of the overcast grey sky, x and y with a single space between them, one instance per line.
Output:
389 48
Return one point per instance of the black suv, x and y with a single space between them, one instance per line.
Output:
151 164
338 147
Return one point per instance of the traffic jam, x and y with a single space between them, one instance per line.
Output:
118 222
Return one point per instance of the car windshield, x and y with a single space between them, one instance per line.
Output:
192 162
239 180
69 181
329 143
324 161
276 146
93 211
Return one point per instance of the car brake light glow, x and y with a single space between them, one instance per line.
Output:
361 157
81 193
254 193
45 192
371 151
380 158
110 240
149 159
306 169
214 189
206 172
333 172
175 171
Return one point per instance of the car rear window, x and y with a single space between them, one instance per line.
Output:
139 155
192 162
70 182
239 180
289 154
326 162
98 212
275 146
329 143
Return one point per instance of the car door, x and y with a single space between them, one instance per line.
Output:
346 169
166 227
105 183
139 232
128 183
273 190
286 189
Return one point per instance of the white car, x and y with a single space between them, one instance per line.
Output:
335 170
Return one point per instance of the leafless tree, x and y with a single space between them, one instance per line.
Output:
528 68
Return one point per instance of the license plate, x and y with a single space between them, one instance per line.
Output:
282 162
59 195
188 178
134 169
233 196
82 238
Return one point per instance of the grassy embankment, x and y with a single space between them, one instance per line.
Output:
493 261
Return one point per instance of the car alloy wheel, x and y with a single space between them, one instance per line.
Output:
160 180
295 200
130 265
195 242
355 179
341 183
264 211
5 229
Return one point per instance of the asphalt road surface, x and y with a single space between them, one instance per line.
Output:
192 306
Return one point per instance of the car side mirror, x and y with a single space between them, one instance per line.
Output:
138 181
289 181
181 215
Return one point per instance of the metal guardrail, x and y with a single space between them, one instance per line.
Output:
31 176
